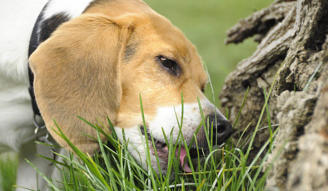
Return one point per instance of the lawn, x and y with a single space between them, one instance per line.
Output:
205 23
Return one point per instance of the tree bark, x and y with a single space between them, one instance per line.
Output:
293 55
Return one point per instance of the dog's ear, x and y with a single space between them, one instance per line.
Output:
77 73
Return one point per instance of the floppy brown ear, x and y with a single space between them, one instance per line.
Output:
77 73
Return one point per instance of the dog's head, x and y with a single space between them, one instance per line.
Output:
99 64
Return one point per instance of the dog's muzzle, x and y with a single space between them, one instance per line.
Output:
221 130
218 130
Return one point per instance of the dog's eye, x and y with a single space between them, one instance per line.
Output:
170 65
203 88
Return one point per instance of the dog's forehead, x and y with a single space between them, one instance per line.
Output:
158 34
162 37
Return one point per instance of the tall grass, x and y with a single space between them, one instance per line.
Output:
113 168
7 171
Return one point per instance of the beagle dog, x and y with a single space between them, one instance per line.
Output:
96 59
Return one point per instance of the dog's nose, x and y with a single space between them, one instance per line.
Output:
219 128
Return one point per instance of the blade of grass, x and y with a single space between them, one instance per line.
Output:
43 176
108 166
150 169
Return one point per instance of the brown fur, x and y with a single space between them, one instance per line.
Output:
98 64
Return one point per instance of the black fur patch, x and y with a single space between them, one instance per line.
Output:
48 26
34 40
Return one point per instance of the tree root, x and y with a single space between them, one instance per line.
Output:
293 42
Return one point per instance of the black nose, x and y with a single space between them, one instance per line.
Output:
219 128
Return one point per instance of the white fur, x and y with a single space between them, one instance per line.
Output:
166 119
72 8
17 19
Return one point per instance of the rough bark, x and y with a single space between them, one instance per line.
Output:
293 54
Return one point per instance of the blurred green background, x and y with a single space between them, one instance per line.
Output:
205 23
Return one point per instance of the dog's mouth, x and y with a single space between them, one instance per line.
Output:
162 151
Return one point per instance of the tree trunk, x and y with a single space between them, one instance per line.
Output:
293 56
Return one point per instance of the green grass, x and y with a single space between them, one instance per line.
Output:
8 165
113 168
